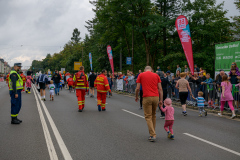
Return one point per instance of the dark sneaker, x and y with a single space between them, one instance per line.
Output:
172 137
19 120
15 121
44 99
58 93
185 113
205 113
80 110
104 109
140 108
99 108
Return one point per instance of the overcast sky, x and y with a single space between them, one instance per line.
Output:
32 28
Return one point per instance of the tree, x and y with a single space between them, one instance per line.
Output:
236 24
76 36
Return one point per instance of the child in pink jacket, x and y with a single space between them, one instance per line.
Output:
169 117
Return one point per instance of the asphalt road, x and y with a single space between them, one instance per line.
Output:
119 133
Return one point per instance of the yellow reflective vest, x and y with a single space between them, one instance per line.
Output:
19 82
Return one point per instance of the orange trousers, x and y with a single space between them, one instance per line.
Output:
80 93
23 86
101 99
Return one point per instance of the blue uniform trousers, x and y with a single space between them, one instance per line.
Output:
16 103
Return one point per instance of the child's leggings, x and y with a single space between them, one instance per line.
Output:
168 124
229 103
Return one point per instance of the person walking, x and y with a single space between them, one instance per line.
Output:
29 83
91 80
152 90
42 81
226 96
70 83
56 80
183 87
15 88
102 85
169 118
51 90
81 86
200 103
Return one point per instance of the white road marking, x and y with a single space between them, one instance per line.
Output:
50 146
132 113
213 144
59 139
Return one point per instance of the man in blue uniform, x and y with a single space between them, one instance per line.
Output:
15 87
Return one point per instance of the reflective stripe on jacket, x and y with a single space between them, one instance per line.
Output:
81 82
101 83
19 82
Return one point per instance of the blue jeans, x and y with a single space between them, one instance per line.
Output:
57 85
16 103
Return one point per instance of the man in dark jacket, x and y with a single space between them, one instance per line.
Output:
219 77
15 88
56 80
91 80
165 83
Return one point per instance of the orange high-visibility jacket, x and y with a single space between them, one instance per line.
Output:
81 80
7 79
23 78
101 83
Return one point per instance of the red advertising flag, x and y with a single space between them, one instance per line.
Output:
109 52
185 38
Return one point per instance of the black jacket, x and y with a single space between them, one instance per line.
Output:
14 78
91 79
56 78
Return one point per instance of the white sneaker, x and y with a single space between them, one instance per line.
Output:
233 116
220 114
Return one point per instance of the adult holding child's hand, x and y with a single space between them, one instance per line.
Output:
152 90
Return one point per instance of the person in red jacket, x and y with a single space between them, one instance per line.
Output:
70 82
81 86
102 85
24 80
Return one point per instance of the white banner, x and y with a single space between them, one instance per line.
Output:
119 84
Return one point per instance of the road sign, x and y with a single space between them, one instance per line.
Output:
77 65
62 70
129 60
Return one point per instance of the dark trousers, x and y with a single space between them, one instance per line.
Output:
141 98
16 103
164 97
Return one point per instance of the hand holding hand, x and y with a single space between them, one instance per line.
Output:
16 95
160 104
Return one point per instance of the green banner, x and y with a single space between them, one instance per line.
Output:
226 54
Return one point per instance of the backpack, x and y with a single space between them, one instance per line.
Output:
80 78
